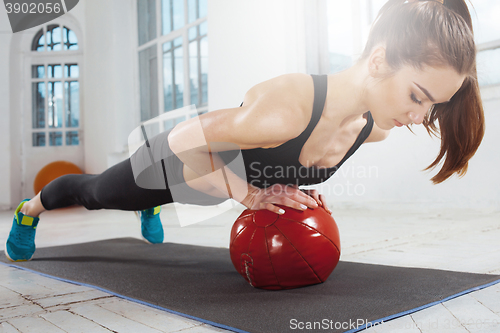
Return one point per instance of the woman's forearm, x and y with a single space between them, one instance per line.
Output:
212 169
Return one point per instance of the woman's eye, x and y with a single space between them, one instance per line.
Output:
414 99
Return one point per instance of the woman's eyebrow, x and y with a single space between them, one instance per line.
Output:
426 92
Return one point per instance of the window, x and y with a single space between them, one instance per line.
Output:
52 39
55 89
173 55
487 32
348 26
340 35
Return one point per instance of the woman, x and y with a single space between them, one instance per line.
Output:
418 67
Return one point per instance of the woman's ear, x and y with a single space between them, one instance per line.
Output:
377 65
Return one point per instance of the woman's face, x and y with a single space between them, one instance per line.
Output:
407 96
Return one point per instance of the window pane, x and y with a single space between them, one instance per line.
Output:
192 33
204 69
54 71
177 42
193 72
179 77
168 79
38 72
167 46
488 67
38 105
38 43
148 76
55 114
69 39
203 8
53 38
192 8
168 124
72 101
39 139
340 35
55 138
146 20
166 16
485 23
71 70
203 28
72 138
178 11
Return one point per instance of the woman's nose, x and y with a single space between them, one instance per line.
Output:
416 118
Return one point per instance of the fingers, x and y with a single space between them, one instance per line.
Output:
289 196
285 192
315 196
305 199
275 209
323 201
284 201
319 198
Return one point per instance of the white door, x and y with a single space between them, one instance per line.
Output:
53 109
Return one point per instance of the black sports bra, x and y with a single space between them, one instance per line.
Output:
267 166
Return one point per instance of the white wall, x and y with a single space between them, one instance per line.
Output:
250 42
5 144
109 96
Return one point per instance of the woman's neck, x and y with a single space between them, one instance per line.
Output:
345 100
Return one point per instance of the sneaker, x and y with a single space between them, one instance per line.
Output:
151 227
20 245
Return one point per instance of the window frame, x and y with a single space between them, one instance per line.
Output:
159 41
489 46
45 58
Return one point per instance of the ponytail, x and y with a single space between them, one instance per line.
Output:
461 121
461 124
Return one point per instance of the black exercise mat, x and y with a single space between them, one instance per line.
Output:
202 282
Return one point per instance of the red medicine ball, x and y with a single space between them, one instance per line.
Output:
296 249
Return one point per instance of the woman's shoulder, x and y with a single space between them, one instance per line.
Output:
295 86
292 94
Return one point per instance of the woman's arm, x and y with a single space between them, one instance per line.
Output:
268 117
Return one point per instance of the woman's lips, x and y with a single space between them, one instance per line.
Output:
398 124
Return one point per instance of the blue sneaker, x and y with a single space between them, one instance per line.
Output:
20 245
151 227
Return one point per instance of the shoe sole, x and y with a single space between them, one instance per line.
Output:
8 257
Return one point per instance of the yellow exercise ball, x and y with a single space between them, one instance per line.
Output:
52 171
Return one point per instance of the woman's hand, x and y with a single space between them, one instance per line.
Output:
320 198
285 195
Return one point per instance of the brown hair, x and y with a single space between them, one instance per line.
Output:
437 33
